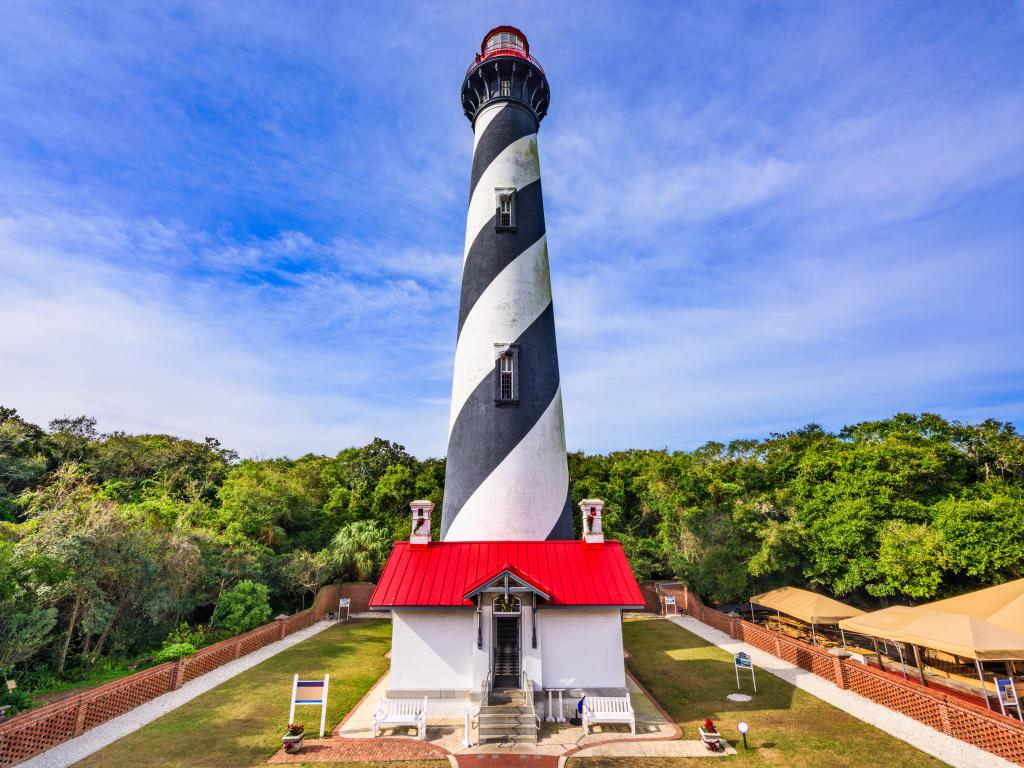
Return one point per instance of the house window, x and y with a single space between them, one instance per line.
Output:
508 605
506 87
505 215
506 384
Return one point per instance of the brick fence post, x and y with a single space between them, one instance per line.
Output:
177 674
282 623
80 715
840 672
778 648
238 648
947 723
734 628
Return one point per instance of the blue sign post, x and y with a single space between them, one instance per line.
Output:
742 661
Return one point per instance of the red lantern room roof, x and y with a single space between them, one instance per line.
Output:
505 41
444 573
513 38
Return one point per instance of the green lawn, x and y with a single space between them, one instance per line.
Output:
788 727
239 724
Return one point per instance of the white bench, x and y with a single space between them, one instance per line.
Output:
608 709
401 712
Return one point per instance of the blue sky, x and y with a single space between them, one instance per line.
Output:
246 219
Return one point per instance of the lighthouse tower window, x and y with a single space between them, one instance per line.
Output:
505 216
506 377
506 385
506 87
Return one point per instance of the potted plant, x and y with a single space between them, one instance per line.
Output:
292 740
709 735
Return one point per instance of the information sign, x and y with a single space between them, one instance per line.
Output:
742 661
310 692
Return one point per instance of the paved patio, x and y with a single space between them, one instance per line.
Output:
656 736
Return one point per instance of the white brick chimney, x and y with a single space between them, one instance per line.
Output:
592 531
421 510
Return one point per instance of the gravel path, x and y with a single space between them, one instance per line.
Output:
945 748
70 752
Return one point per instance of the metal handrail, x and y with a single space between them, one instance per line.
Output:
527 685
516 53
485 695
485 691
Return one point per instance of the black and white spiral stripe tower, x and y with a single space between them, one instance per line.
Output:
507 476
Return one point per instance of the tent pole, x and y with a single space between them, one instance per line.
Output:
902 664
752 613
981 677
842 635
920 667
878 655
814 638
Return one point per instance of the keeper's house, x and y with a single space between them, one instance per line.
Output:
506 614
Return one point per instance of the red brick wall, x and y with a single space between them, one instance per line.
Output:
679 593
652 603
984 728
358 592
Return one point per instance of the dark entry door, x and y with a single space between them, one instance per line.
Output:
506 651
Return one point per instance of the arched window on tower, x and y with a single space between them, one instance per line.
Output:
505 209
506 377
506 383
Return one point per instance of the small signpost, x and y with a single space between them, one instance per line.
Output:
742 661
670 602
344 604
1007 693
310 692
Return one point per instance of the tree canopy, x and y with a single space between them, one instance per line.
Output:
111 543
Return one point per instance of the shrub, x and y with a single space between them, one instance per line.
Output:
183 633
243 607
17 699
173 652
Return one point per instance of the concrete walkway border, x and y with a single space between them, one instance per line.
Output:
951 751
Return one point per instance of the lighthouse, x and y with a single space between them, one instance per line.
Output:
507 476
506 607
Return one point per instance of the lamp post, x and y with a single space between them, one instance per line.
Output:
743 727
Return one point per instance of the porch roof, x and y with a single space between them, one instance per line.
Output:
444 573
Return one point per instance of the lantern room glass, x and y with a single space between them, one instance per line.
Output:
504 40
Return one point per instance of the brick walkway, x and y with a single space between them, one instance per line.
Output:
362 750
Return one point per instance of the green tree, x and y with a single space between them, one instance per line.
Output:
25 457
243 607
360 549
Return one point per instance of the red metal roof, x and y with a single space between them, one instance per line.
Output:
443 572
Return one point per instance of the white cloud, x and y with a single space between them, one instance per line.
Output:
248 222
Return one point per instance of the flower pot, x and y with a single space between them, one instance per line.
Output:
292 744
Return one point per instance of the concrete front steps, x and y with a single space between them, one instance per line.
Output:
508 718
